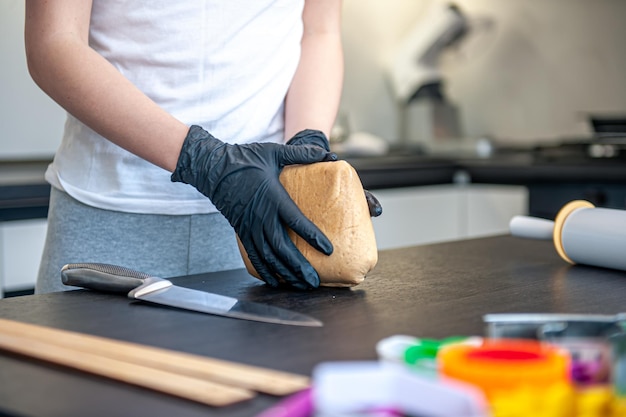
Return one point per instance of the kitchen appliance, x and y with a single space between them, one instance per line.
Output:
428 119
141 286
426 116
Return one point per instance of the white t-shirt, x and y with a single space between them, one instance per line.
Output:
223 65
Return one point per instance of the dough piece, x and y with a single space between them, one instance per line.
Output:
331 195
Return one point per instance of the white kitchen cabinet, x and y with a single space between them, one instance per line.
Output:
430 214
416 215
489 208
21 246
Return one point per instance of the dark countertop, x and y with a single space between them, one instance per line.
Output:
24 192
434 291
505 167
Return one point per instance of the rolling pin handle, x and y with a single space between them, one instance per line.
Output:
531 227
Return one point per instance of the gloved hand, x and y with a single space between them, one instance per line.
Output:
242 182
318 138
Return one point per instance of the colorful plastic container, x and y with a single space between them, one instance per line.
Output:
506 364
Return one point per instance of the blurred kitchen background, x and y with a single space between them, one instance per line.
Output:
428 86
534 73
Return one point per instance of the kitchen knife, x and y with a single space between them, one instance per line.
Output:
141 286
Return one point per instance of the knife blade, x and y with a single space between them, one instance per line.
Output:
140 286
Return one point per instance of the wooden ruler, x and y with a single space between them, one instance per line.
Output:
210 381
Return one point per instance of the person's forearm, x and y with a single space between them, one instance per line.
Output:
92 90
313 98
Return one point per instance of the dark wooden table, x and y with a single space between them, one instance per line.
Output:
427 291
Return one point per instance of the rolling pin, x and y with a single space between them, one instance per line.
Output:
582 234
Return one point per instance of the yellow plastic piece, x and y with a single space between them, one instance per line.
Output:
556 400
559 222
595 401
618 407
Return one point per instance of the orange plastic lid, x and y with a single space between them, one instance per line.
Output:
505 363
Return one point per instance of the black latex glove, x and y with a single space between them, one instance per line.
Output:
318 138
242 182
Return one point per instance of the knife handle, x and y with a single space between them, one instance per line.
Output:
102 277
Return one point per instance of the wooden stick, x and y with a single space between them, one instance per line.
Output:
245 376
206 392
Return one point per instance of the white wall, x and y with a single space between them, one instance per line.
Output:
31 123
544 67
